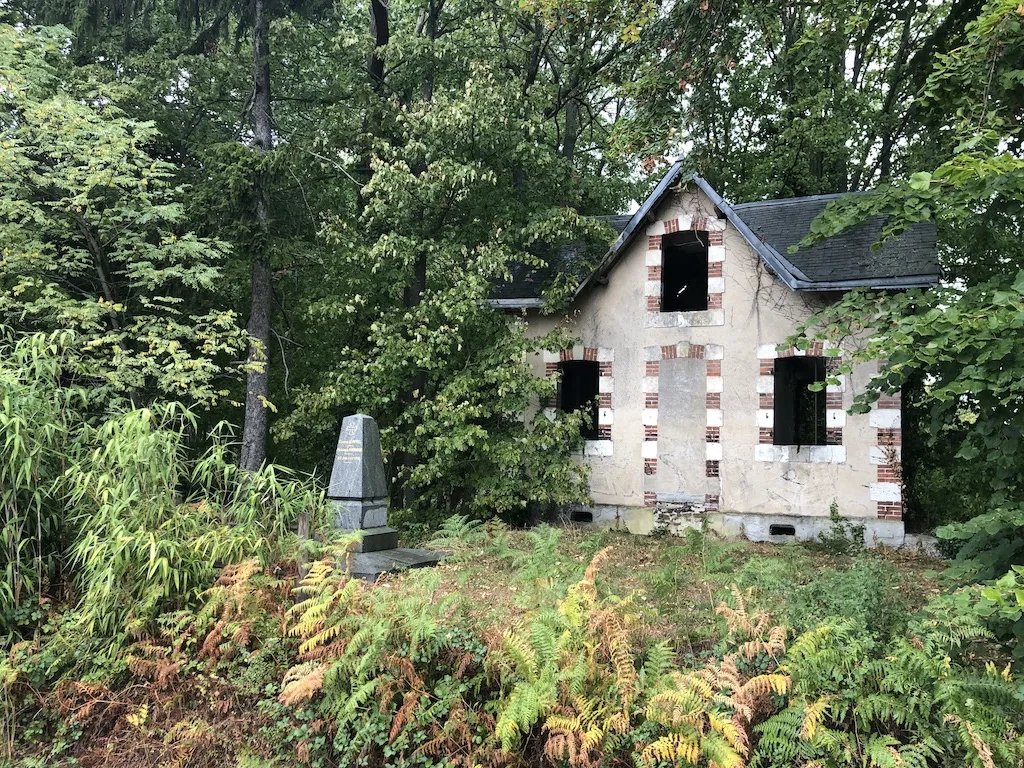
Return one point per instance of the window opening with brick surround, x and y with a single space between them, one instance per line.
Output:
602 357
799 410
578 391
684 272
660 236
887 490
770 416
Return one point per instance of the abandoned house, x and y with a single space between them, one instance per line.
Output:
697 412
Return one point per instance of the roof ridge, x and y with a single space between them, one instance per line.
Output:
792 200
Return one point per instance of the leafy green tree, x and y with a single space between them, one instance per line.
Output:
94 236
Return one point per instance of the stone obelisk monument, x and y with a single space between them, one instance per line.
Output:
358 489
358 493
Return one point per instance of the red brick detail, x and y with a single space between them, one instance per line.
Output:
889 402
768 367
714 367
714 301
604 369
604 432
604 400
550 368
654 273
565 354
650 466
697 223
651 368
712 469
716 237
765 400
890 437
713 400
654 242
590 353
654 303
714 269
832 364
765 435
650 400
671 225
650 498
711 502
713 434
668 352
889 510
551 402
696 350
817 349
834 436
787 353
650 432
833 399
887 473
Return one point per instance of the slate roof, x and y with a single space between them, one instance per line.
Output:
575 259
839 263
846 256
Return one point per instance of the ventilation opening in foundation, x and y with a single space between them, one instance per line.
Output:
581 516
781 530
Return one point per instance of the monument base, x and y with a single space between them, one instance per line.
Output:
360 514
378 539
369 565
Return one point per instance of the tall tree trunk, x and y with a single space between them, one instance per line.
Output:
257 380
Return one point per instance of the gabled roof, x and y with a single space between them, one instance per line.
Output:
841 262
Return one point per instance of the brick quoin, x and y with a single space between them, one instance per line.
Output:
834 436
768 367
696 350
889 437
714 301
887 474
889 402
712 435
650 400
833 399
654 242
713 400
590 353
716 238
604 369
650 498
654 273
714 367
654 303
765 435
668 352
672 225
604 432
550 368
698 223
651 368
604 400
817 348
889 510
714 269
711 468
650 432
650 466
765 400
565 354
711 501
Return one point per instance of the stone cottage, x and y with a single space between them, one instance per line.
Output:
697 412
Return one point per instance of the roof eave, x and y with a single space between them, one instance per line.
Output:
883 283
516 303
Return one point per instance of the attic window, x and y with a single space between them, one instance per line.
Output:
799 412
578 391
684 272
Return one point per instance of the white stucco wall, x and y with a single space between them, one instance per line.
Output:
756 480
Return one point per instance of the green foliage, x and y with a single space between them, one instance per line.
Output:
842 537
93 233
152 525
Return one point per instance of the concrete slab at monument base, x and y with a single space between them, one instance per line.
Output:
369 565
777 528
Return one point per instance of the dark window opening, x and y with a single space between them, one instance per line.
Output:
578 392
799 411
781 530
684 272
